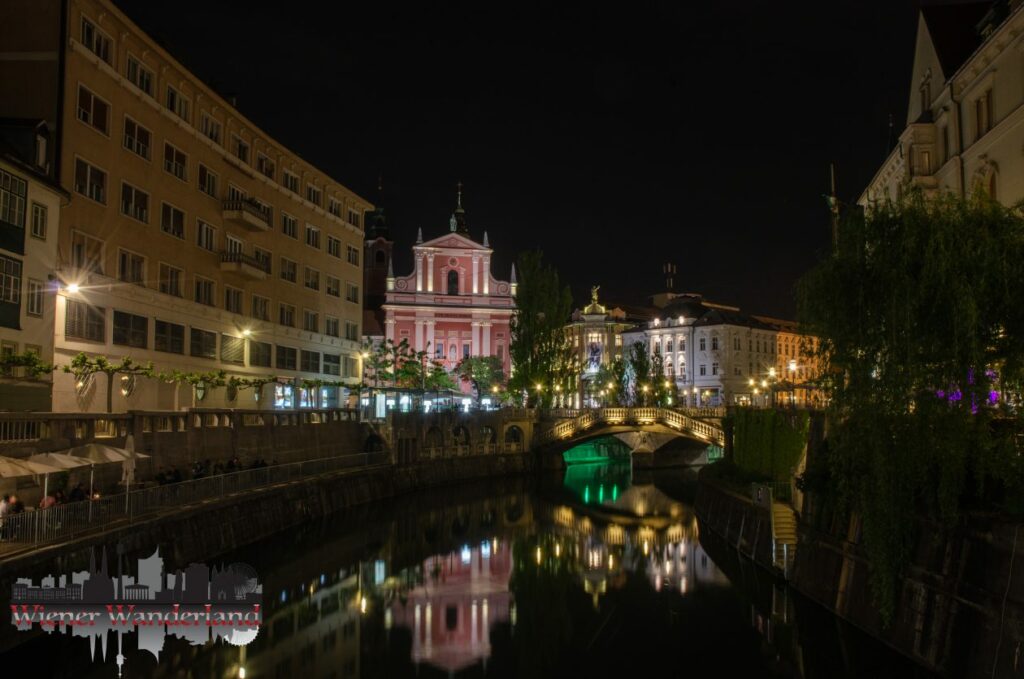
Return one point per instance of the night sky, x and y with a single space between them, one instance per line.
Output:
615 138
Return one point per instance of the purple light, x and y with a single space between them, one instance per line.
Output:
940 393
993 397
970 376
955 395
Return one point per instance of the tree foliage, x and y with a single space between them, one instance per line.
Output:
483 373
541 352
920 312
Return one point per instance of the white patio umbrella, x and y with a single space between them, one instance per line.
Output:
65 461
12 467
99 452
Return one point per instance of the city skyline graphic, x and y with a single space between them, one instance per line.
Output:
198 603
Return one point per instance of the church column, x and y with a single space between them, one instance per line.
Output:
431 349
476 266
487 275
430 272
419 273
475 348
486 325
418 346
389 329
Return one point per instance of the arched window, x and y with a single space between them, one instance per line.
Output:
453 282
380 257
992 185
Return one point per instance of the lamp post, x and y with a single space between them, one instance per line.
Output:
792 381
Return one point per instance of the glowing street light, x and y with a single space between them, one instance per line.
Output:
73 288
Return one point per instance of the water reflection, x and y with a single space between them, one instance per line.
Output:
498 581
461 595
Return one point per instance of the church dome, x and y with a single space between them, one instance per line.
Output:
687 306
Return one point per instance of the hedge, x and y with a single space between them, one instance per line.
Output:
769 442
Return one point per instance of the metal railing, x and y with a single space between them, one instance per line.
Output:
672 418
248 205
241 258
66 521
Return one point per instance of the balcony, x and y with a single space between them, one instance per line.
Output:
248 213
244 265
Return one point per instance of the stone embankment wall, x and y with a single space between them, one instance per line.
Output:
736 520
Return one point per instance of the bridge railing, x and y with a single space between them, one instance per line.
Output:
567 428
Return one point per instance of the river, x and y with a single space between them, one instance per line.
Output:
594 574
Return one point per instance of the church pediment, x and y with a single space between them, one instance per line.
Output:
452 241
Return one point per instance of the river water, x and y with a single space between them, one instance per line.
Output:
594 574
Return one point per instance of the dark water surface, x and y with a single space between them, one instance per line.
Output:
597 574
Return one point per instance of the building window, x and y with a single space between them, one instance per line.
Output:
983 114
703 369
332 364
86 322
86 252
714 344
177 103
465 350
239 148
203 343
139 75
131 268
439 351
170 280
263 257
93 111
313 194
233 299
453 282
312 279
260 308
353 255
259 354
668 345
39 219
206 236
210 127
232 349
714 368
331 327
736 343
286 315
286 357
137 138
333 247
703 344
34 295
333 286
334 207
351 331
89 181
13 191
175 161
310 321
291 181
204 289
288 270
310 361
234 245
169 337
134 203
95 40
235 194
207 181
289 225
265 166
131 330
353 218
10 280
312 236
352 292
172 221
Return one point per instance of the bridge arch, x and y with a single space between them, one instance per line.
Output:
460 435
434 438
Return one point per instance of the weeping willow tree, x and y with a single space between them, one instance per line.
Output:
920 310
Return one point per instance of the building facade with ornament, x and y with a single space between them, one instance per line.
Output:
965 118
717 355
451 304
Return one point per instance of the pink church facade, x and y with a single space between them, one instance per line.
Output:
451 305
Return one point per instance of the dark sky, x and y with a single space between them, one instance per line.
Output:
615 137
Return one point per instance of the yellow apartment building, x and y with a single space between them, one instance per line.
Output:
192 238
